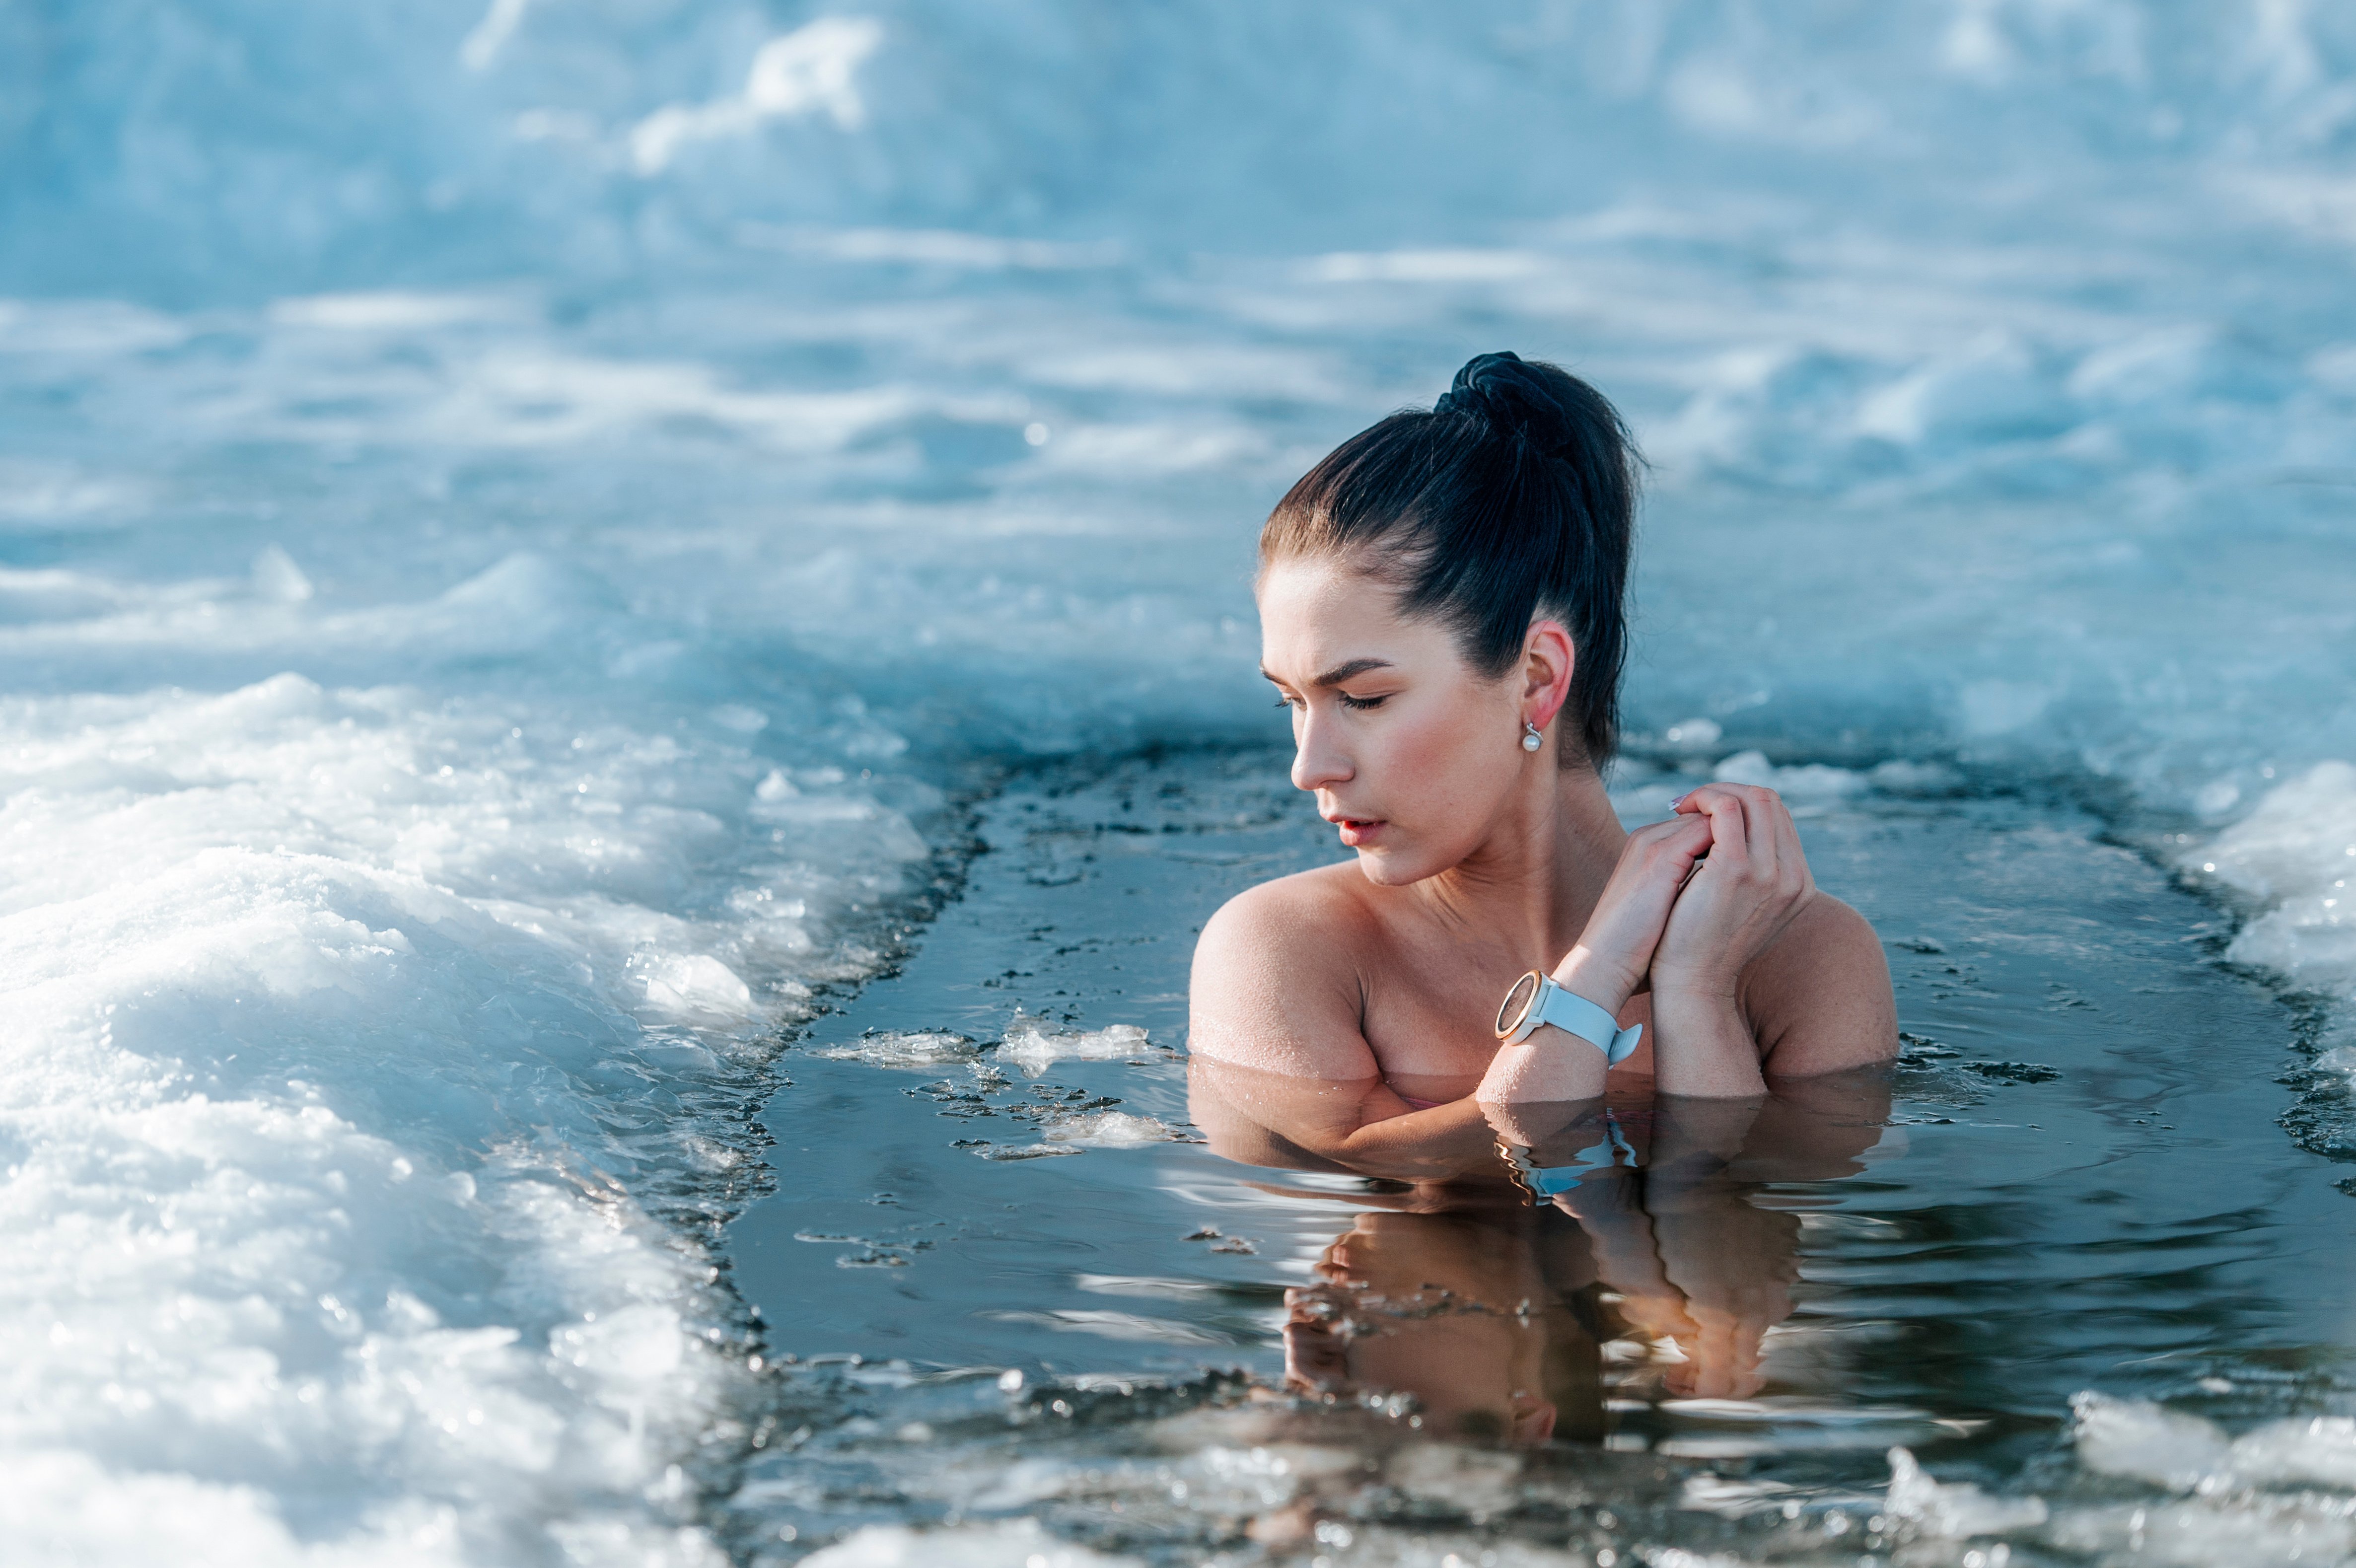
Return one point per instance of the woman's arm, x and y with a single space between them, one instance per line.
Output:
1280 1062
1360 1127
1757 970
1606 965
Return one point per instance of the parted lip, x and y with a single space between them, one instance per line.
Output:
1340 817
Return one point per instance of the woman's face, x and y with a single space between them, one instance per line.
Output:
1411 753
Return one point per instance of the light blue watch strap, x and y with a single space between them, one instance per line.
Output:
1575 1015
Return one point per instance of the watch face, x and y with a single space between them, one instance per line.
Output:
1518 1003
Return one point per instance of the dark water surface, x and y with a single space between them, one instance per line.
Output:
1015 1291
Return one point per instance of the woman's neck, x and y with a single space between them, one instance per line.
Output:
1537 875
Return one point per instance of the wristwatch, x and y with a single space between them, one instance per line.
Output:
1535 999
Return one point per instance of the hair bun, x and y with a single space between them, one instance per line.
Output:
1514 395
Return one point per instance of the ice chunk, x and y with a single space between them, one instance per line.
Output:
1111 1130
2319 1449
2296 853
1696 734
1035 1044
1019 1543
2247 1533
693 985
1745 767
916 1048
1953 1508
2138 1438
1809 781
1899 777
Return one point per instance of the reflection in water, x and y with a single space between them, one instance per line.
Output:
1513 1252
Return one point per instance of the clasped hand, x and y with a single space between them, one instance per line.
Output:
1693 901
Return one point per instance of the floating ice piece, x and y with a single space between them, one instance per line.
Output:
1899 777
1480 1481
1809 781
2247 1531
913 1049
2319 1450
1953 1508
1106 1324
2138 1438
1745 767
1111 1130
1018 1543
1694 735
1033 1045
2186 1453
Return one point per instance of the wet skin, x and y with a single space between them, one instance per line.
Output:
1479 860
1342 1020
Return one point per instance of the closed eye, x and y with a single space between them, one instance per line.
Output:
1361 705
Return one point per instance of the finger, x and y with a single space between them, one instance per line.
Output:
1755 808
1730 835
1676 840
1697 799
1781 863
1759 809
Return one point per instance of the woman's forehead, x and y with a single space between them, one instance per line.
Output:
1318 615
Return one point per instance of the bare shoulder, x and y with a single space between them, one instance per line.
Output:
1819 997
1275 982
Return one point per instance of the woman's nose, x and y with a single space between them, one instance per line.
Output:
1317 762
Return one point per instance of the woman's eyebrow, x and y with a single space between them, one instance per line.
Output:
1347 671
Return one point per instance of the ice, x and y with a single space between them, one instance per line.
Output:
2185 1454
1955 1510
2295 855
1024 1151
1033 1045
310 1031
811 70
1807 781
1016 1544
2135 1437
515 520
1110 1130
2263 1533
917 1049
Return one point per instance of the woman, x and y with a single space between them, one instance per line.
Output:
1442 606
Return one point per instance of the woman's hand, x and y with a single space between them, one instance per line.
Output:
1740 897
1608 963
1612 957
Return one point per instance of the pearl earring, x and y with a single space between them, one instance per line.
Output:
1531 739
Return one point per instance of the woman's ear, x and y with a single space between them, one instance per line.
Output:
1548 661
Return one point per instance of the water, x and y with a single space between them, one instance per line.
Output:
526 536
1031 1316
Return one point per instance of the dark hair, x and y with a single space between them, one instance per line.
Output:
1515 496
